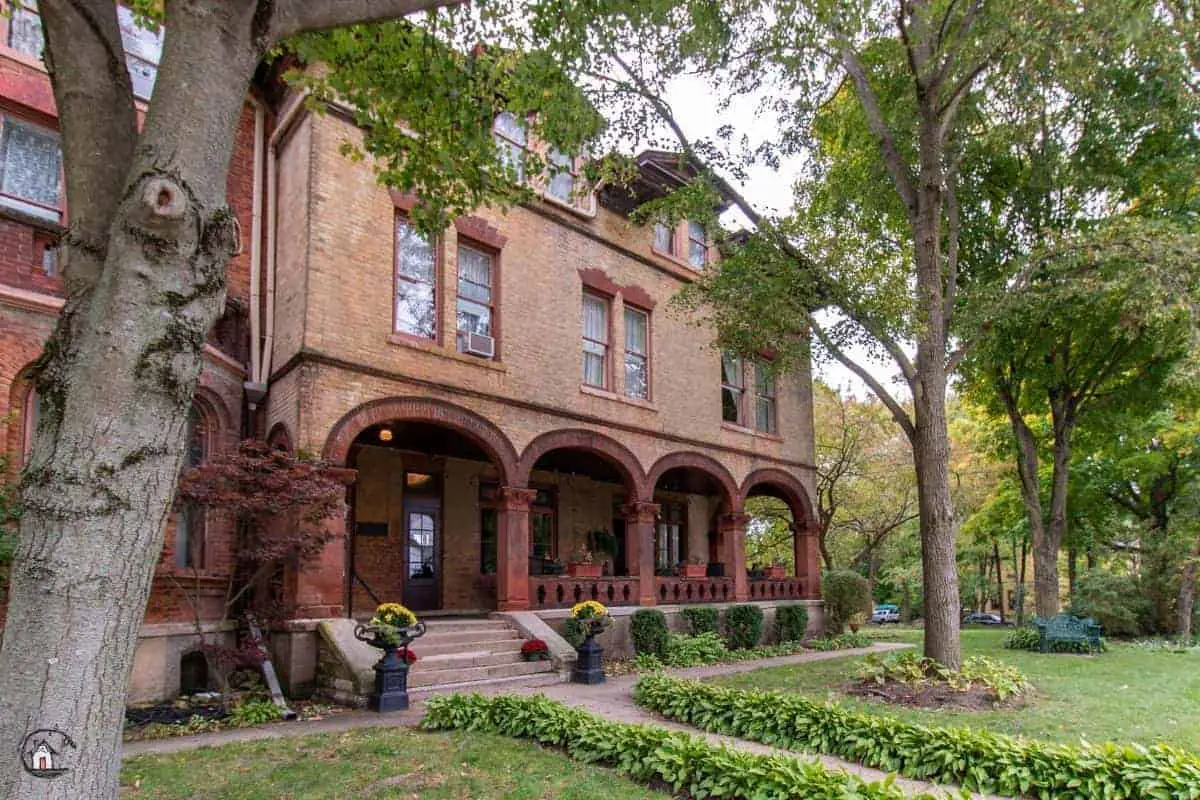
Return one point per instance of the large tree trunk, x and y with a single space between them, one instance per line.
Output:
999 577
115 383
1187 591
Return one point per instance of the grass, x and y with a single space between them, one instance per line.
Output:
374 763
1126 695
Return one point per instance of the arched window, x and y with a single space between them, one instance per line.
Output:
190 522
31 409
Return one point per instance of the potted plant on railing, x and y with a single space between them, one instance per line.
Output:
664 572
589 618
535 650
582 565
755 572
392 629
553 567
694 567
776 571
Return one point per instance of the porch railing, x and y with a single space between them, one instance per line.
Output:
776 588
671 590
561 591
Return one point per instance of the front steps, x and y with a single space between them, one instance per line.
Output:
454 654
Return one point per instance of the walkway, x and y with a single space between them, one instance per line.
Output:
612 700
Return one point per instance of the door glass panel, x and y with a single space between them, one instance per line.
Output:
421 530
541 526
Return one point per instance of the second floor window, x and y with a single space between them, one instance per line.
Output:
30 165
595 341
25 28
697 245
416 292
765 419
664 238
637 353
476 304
733 388
562 177
511 139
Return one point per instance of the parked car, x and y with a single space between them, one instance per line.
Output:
979 618
885 614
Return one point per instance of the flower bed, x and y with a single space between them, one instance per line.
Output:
690 765
975 759
913 680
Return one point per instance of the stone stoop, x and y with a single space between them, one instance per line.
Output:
454 654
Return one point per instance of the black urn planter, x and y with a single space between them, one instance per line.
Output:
587 666
391 671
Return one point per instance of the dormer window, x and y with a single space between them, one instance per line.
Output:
697 245
512 139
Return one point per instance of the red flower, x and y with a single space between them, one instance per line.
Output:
534 646
410 657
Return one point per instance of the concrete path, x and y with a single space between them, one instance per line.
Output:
612 700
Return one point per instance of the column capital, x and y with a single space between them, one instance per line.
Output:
735 521
806 527
640 512
515 498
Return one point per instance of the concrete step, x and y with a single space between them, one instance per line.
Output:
459 637
492 685
467 624
445 677
472 658
425 647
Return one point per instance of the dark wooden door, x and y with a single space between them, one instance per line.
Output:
422 553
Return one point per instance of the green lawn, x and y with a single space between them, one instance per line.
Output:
375 763
1125 695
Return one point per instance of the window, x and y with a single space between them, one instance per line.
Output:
31 411
143 49
595 341
476 275
562 177
511 139
664 238
697 245
190 522
30 165
733 387
416 293
25 28
764 398
637 353
670 544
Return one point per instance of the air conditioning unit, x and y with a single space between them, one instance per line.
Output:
478 345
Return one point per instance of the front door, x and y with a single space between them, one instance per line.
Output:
422 538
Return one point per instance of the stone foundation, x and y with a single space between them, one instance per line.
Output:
155 676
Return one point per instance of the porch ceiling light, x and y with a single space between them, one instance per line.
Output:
385 434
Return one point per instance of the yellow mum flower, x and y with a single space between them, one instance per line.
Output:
395 615
588 609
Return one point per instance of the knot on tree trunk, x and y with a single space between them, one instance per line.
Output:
163 206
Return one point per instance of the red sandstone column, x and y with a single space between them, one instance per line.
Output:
318 587
733 531
639 547
512 548
808 556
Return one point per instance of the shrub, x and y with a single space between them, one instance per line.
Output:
1002 680
693 651
845 593
977 760
254 712
846 641
791 622
691 765
744 626
700 619
647 662
1114 601
1022 639
648 629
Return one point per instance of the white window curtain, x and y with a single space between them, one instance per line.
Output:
637 367
30 164
664 238
562 178
511 139
595 340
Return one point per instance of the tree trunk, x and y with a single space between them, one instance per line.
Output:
999 576
116 383
1187 591
1072 570
1062 415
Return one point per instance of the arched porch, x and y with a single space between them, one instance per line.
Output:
798 576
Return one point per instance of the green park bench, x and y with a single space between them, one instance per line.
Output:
1066 628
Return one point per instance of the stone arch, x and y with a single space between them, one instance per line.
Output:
420 409
20 424
612 451
280 438
706 464
786 487
219 432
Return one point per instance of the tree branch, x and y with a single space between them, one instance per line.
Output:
303 16
898 412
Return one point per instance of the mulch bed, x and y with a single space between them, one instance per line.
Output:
929 695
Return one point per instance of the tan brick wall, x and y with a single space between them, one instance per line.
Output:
348 315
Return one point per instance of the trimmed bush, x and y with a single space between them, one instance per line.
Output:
977 760
648 629
845 593
700 619
692 766
743 626
790 622
694 651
